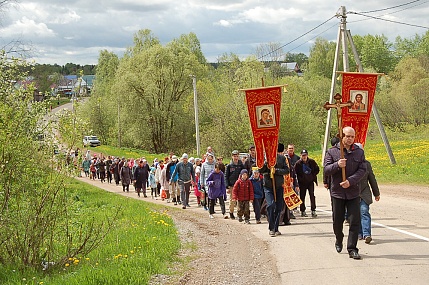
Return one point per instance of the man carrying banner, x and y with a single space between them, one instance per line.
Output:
345 193
273 189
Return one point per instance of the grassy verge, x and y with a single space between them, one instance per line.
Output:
143 242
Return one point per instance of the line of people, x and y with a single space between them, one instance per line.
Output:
240 181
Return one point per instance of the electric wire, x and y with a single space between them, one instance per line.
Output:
394 12
356 13
391 21
262 56
384 9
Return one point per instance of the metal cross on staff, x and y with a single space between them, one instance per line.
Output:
339 105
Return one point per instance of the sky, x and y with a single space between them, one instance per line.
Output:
60 32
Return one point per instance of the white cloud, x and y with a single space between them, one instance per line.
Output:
27 27
271 15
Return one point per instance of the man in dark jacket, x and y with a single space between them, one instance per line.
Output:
345 194
306 170
141 174
368 187
275 201
232 173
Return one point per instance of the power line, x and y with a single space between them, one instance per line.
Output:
394 12
384 9
391 21
296 38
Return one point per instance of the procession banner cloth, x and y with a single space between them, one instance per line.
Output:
263 105
358 88
292 200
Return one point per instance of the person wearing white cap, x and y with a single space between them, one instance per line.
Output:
186 173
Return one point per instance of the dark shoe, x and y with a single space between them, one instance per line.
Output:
187 205
354 254
338 247
175 203
258 221
272 233
246 221
303 214
277 233
231 215
292 216
368 239
183 207
240 219
287 223
313 214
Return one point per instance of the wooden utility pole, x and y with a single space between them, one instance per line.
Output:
343 37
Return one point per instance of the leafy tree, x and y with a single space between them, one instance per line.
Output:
375 52
321 59
406 101
299 58
101 110
39 219
154 84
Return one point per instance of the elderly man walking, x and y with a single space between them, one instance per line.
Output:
345 194
186 174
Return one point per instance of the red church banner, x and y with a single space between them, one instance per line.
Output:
263 105
358 88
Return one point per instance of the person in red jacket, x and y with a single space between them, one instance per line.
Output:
242 192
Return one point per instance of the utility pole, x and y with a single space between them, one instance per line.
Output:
343 36
197 130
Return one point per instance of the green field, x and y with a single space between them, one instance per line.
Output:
142 242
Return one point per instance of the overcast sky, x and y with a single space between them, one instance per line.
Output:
75 31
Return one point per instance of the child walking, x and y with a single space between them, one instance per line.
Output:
152 182
242 192
258 193
217 190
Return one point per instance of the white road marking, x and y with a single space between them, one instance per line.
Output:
390 228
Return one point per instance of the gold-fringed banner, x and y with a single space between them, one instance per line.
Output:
358 88
263 105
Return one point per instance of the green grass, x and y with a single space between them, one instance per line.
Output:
410 149
143 242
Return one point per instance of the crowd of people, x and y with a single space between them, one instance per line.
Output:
173 179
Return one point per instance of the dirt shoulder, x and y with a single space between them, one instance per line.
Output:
228 252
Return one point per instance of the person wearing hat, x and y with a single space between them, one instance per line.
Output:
206 168
306 170
186 178
172 180
232 174
242 192
275 201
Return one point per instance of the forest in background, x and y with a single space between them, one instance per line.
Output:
145 99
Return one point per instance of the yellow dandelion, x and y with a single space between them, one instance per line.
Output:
132 251
67 264
87 258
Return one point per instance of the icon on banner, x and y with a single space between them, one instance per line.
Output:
266 116
360 100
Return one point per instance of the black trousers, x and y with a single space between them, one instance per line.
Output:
302 193
339 207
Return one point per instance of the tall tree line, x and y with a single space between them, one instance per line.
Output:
145 99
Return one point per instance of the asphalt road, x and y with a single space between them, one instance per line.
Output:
305 253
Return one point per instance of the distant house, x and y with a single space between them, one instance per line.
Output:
69 83
66 84
291 67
